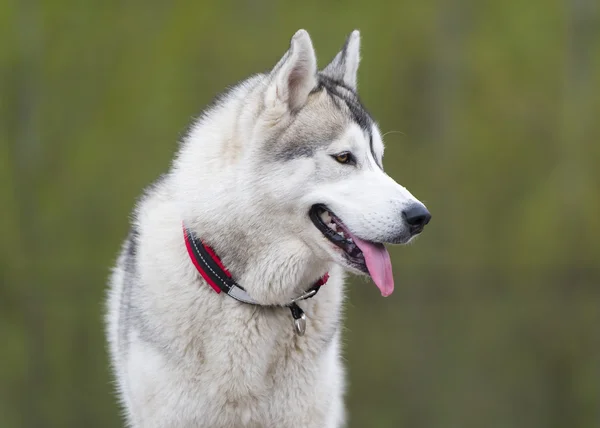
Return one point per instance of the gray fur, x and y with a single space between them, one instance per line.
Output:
129 263
321 121
315 126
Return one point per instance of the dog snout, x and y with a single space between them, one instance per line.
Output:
416 216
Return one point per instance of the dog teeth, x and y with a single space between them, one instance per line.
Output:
325 217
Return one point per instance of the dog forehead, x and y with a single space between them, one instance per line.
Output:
346 99
315 126
328 116
355 138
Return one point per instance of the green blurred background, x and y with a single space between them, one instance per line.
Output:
495 321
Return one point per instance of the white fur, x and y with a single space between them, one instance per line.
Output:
185 356
295 75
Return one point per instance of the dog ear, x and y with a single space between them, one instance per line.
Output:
344 66
295 75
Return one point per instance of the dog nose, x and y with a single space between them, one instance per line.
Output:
416 216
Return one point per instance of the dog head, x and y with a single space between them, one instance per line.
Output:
294 163
321 163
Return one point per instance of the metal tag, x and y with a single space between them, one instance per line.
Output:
300 325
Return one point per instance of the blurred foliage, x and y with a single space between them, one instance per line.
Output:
495 109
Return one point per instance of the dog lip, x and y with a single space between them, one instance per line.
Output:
359 264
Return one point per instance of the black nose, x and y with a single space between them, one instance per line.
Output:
416 216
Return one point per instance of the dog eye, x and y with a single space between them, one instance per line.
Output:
345 158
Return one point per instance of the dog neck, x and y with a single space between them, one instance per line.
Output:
211 268
273 273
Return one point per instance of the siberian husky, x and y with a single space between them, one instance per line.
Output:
224 307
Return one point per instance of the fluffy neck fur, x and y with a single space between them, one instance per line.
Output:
280 266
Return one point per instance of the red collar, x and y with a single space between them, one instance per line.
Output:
213 271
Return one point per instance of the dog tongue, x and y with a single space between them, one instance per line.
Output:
379 265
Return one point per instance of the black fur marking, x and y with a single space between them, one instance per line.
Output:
349 96
129 277
343 96
344 51
132 245
338 65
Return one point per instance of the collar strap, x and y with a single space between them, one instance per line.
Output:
213 271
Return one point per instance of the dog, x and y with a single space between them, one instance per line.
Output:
224 307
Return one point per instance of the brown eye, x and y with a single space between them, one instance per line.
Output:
344 157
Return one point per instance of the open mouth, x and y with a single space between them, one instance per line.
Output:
338 234
365 256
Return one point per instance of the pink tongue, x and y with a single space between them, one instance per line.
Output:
379 265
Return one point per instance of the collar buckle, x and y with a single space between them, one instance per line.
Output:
306 295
